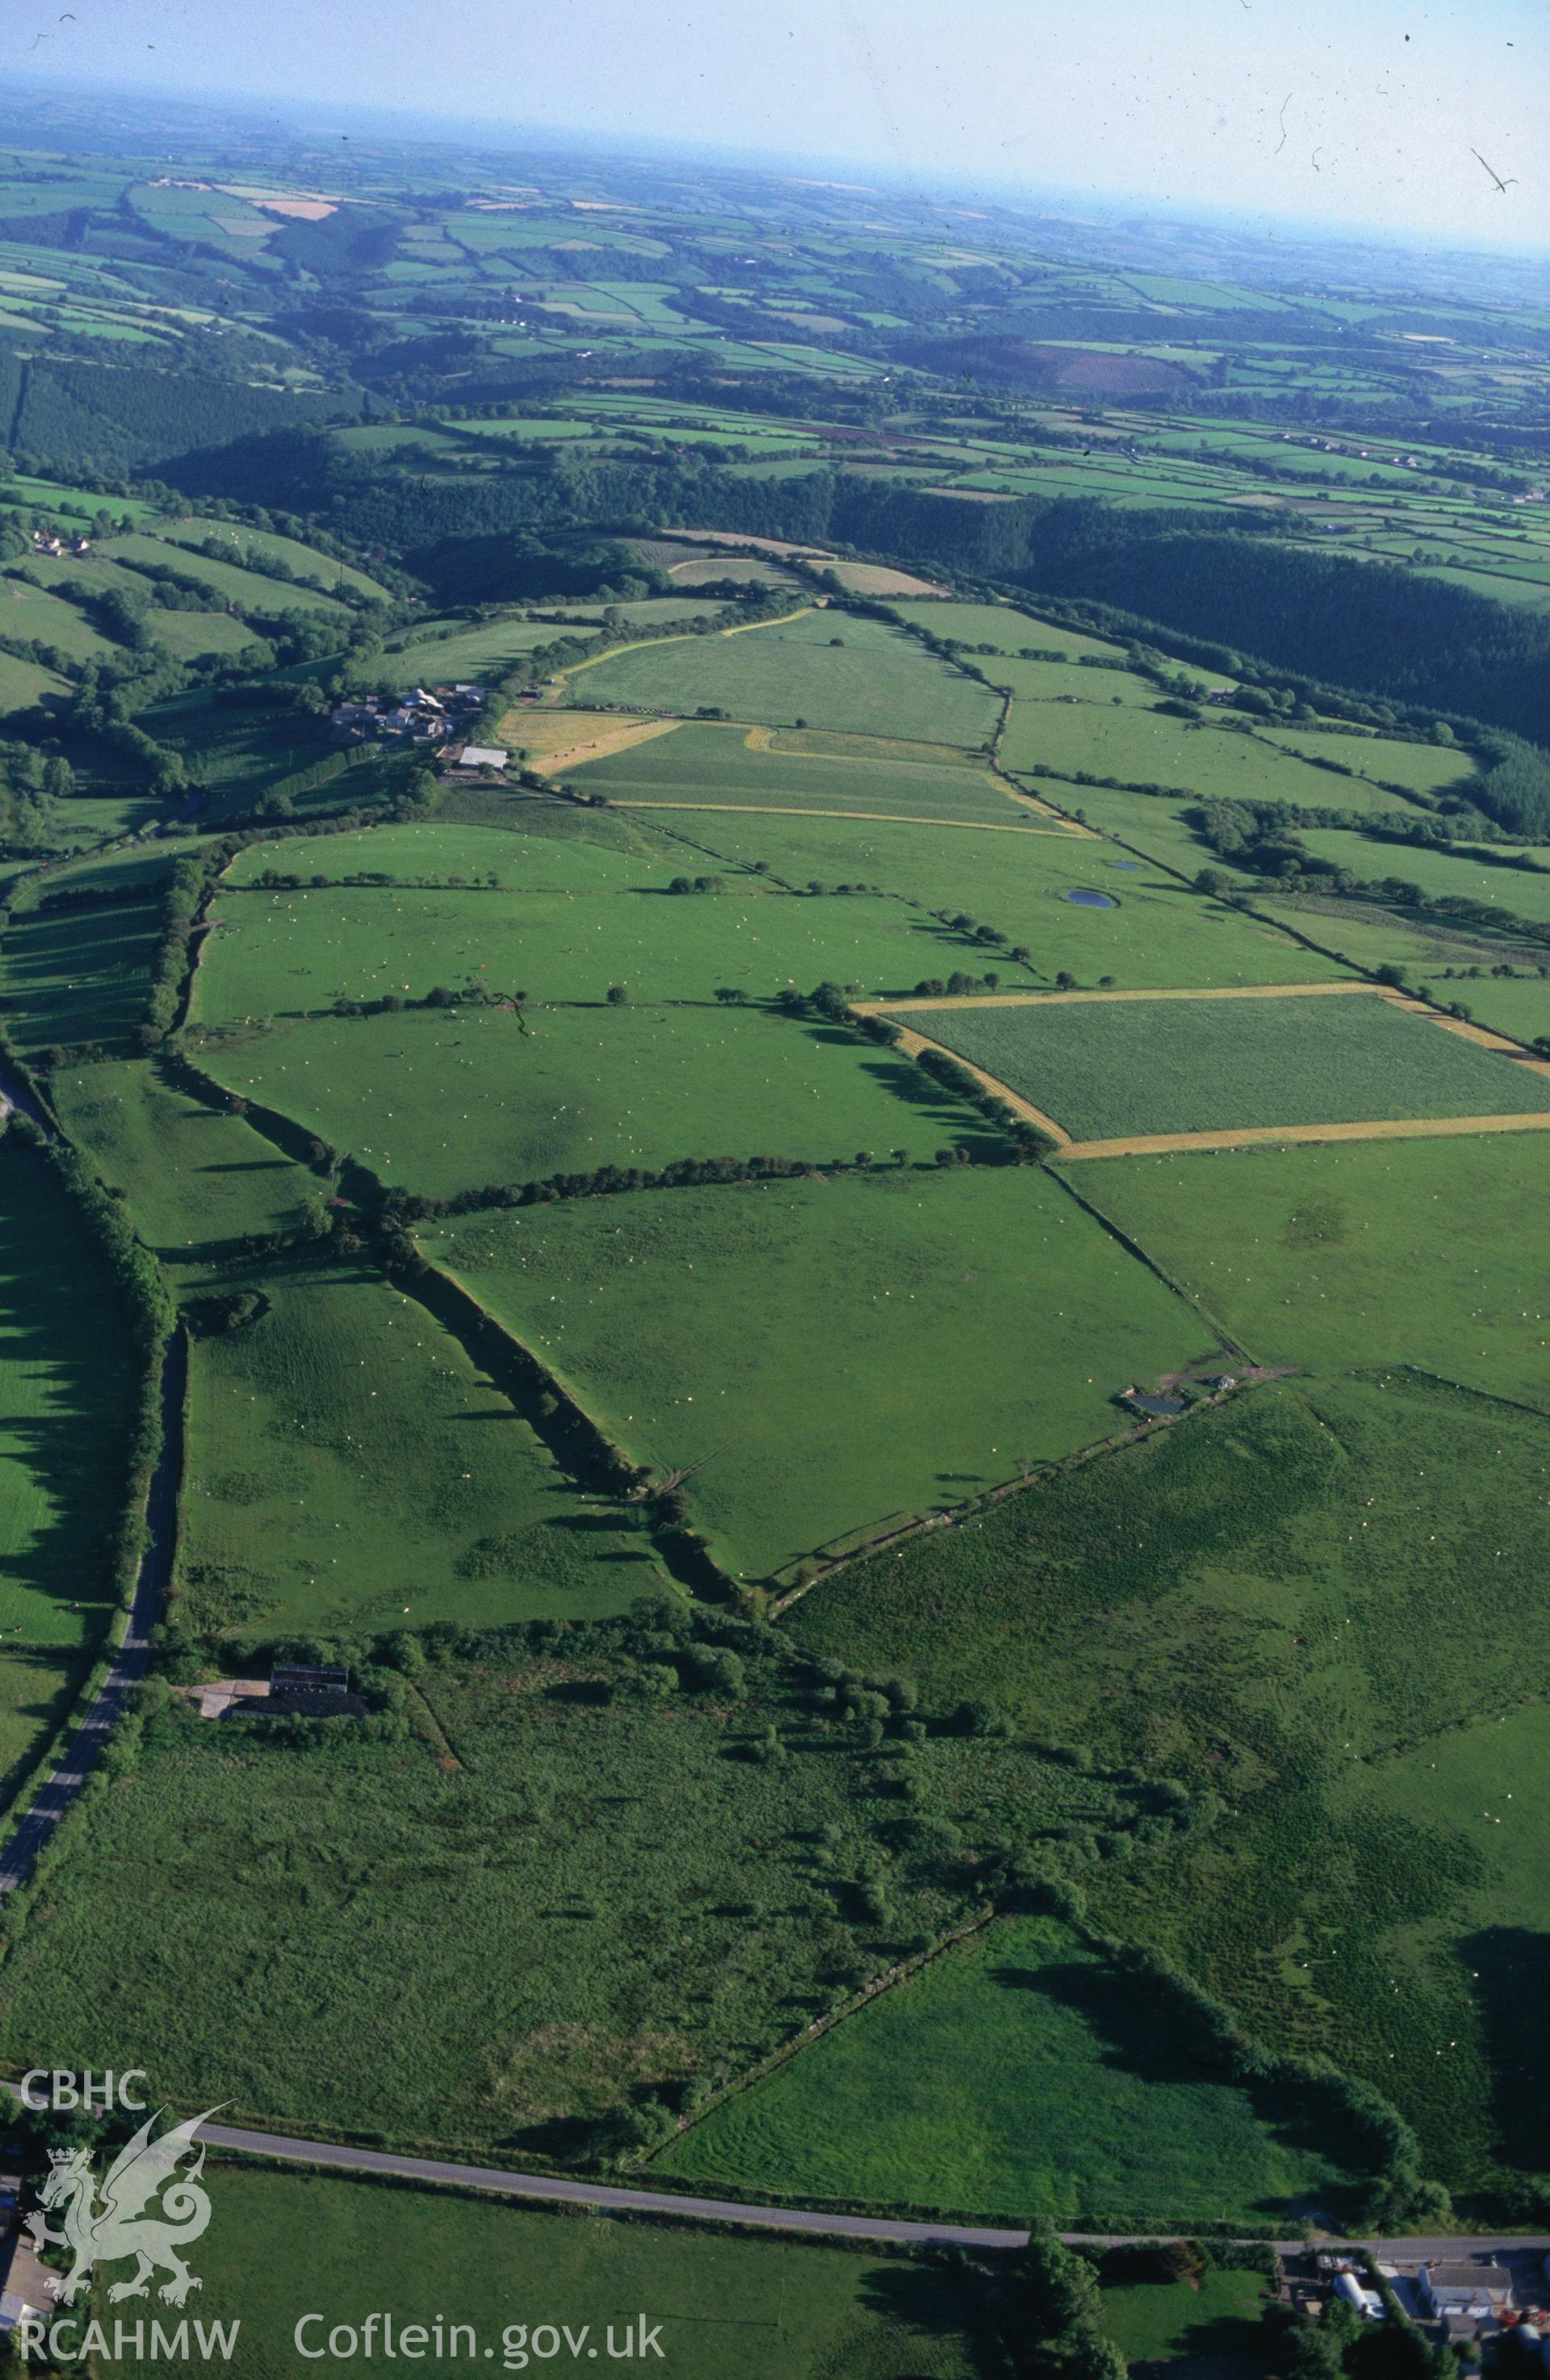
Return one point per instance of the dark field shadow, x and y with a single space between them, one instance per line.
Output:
58 1315
1144 2029
933 2305
1513 1996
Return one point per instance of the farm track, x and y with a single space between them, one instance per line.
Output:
885 818
641 730
1170 1144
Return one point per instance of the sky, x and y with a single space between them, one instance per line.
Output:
1366 113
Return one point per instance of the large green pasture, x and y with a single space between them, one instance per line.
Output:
1020 2074
1069 682
69 1379
1383 760
256 547
1145 748
491 649
1363 1252
445 1100
833 1353
719 766
1469 873
1157 935
31 612
191 635
79 975
195 1179
24 684
1000 625
527 856
349 1464
292 952
246 590
829 670
502 2272
1106 1069
572 1893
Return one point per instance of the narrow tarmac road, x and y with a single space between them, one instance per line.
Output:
778 2218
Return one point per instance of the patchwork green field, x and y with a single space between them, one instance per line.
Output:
835 1396
447 1100
1108 1069
608 1898
503 2272
24 684
1352 1254
1020 2074
820 670
298 952
1382 761
335 1473
722 768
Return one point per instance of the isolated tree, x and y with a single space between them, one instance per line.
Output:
618 993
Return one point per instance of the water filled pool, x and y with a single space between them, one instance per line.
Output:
1086 900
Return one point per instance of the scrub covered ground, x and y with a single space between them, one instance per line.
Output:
1020 2074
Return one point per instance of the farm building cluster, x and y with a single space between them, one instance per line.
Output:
425 715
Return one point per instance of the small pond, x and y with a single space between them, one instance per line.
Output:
1086 900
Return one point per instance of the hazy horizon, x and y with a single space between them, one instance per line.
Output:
1360 123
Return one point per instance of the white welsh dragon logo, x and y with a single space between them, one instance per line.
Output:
123 2226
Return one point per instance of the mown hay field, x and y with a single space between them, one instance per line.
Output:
717 766
603 1893
833 1353
1020 2074
1425 1252
505 2271
1108 1069
828 669
295 952
445 1100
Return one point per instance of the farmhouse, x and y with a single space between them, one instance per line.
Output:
1477 2292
